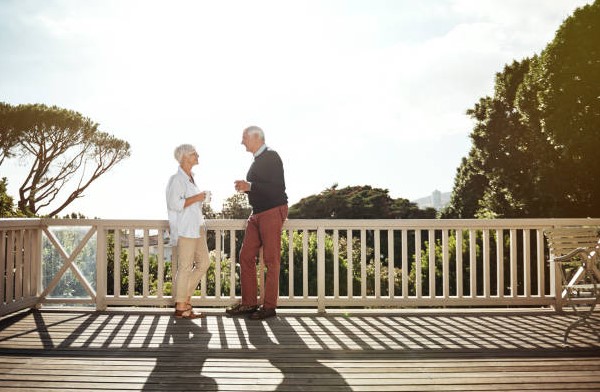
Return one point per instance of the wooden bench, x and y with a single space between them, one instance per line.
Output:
575 255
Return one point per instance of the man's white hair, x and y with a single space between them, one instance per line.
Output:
254 130
183 150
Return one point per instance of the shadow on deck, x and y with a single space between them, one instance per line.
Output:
126 349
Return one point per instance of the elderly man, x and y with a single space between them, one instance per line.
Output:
265 186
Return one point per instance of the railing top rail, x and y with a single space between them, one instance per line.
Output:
23 223
312 224
538 223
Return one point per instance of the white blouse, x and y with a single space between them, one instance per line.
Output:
183 222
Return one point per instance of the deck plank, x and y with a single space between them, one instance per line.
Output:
149 350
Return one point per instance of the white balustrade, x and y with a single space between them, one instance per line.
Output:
392 263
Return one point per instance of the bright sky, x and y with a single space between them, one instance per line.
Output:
363 92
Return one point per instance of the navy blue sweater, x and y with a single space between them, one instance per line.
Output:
268 182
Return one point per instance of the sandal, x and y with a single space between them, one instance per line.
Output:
187 314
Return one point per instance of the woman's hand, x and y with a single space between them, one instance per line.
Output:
197 198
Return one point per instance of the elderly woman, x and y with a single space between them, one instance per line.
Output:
186 222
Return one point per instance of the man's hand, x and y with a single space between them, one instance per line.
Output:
242 186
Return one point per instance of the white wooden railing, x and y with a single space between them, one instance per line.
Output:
495 263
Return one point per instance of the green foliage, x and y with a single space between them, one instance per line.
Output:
9 137
568 110
224 276
469 187
535 142
153 272
298 267
357 202
74 215
509 154
237 207
208 212
438 269
7 209
356 269
311 266
138 270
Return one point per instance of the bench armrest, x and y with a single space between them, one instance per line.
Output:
571 255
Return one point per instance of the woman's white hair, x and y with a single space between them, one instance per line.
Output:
183 150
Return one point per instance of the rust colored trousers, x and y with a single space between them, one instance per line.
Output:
263 229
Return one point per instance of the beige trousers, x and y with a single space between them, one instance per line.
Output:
193 262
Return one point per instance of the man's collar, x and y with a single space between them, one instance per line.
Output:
260 150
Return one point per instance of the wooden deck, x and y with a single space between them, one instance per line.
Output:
480 350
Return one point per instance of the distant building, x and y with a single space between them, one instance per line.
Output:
437 200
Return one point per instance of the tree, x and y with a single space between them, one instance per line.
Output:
507 152
67 153
469 187
6 202
535 142
8 135
356 202
237 207
566 110
208 212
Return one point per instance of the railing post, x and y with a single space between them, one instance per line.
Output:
556 285
36 268
321 269
4 255
101 266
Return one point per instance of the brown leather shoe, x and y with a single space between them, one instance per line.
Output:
263 313
238 309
